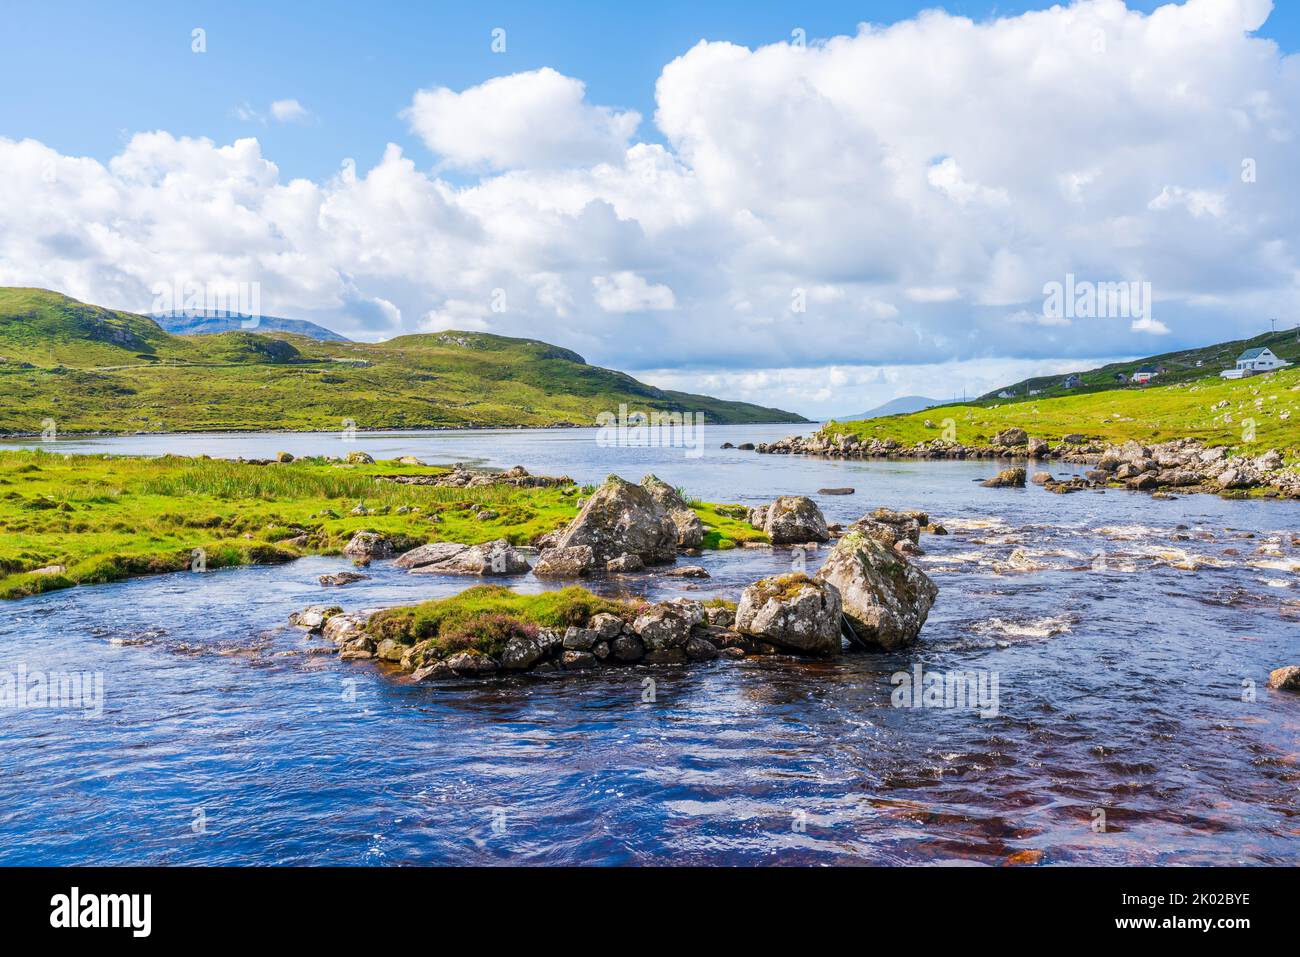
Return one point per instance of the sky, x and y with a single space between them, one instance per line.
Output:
818 209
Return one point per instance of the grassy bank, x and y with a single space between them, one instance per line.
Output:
1213 410
107 518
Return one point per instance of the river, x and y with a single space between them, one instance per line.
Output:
1130 639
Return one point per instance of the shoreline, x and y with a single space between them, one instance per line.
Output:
1182 465
270 430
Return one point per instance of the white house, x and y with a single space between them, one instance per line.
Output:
1252 361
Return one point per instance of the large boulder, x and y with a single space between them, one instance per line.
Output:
621 518
886 598
690 530
429 554
367 546
793 611
571 562
490 558
1009 438
791 520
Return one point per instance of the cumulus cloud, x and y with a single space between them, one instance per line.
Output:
918 183
536 119
628 292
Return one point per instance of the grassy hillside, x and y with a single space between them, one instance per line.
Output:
1212 410
1181 366
93 369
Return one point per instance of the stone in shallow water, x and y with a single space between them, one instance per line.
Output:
1285 679
886 598
793 611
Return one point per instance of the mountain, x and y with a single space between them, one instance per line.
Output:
95 369
215 323
1182 366
900 406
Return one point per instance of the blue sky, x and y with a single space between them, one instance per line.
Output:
107 70
678 190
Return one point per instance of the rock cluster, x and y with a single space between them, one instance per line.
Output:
672 632
1179 464
462 477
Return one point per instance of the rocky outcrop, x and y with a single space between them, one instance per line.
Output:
1285 679
791 520
690 530
1007 478
341 578
1183 464
462 477
359 458
314 617
490 558
573 561
622 518
886 598
794 612
1009 438
368 546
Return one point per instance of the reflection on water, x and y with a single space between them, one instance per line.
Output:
1121 628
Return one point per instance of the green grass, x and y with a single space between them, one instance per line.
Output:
105 518
485 617
1154 414
93 369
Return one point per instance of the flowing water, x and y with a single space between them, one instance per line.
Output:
1130 639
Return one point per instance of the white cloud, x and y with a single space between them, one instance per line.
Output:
628 292
289 111
536 120
919 206
1198 202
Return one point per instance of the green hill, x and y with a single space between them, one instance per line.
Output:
1182 366
1252 414
94 369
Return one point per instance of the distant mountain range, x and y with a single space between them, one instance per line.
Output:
900 406
86 368
212 323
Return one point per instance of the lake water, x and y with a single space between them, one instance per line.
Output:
1130 637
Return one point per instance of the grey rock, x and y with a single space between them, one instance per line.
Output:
490 558
886 599
622 518
429 554
793 519
571 562
368 546
793 611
